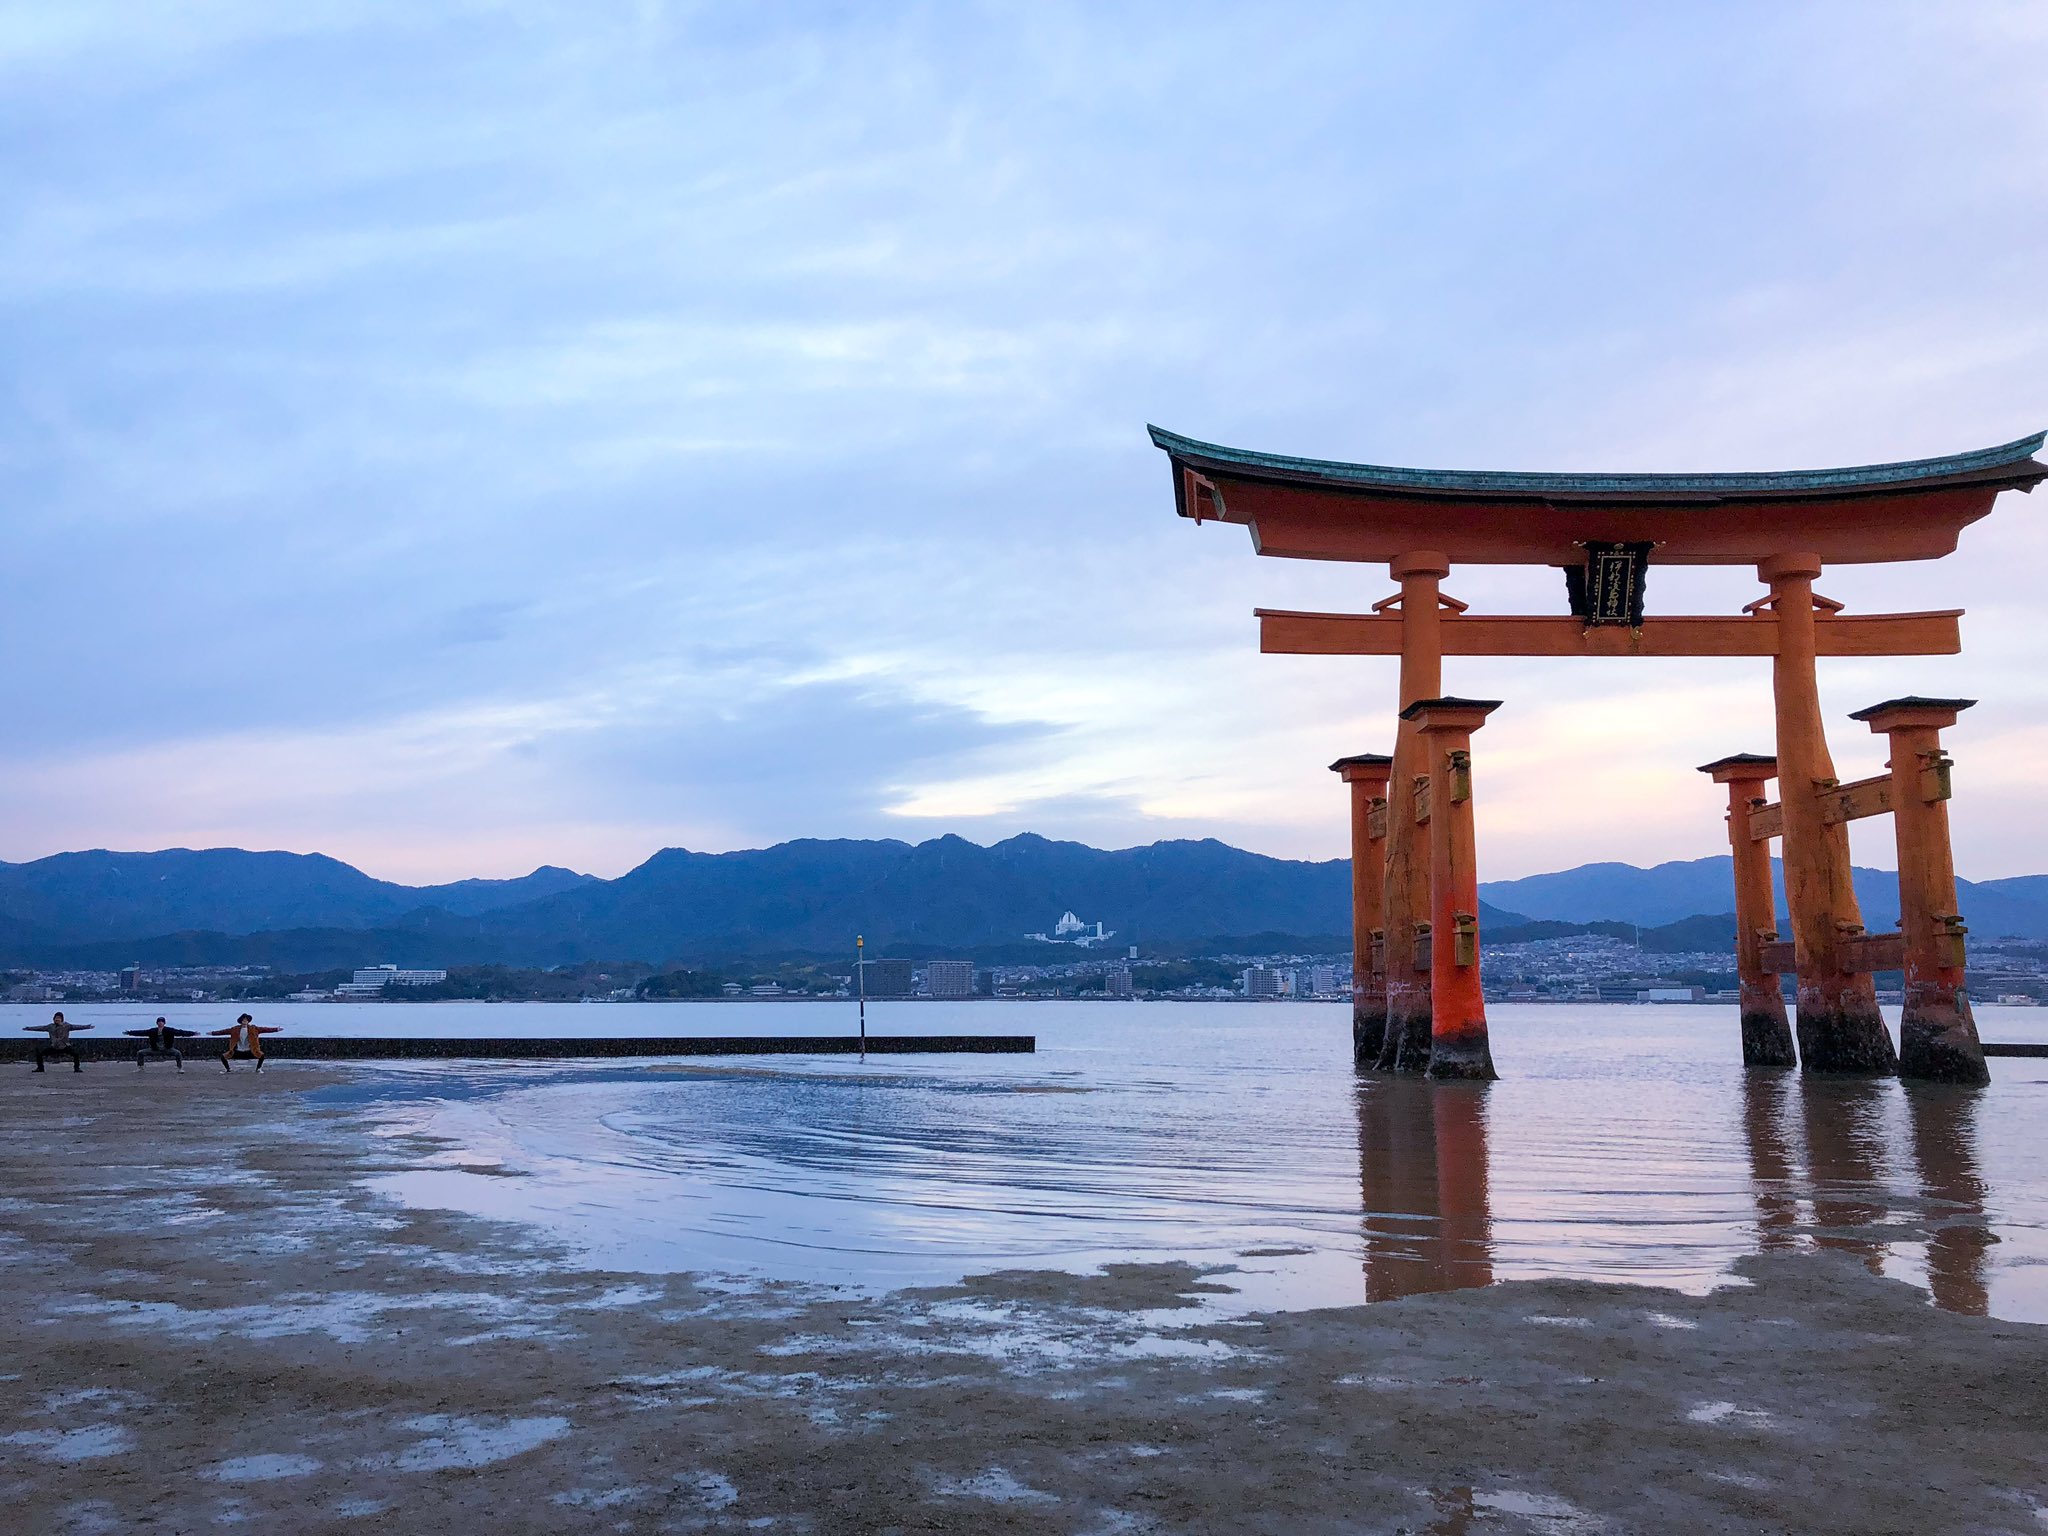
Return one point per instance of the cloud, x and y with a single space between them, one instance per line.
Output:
462 437
615 775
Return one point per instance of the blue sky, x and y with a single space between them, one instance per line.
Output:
459 437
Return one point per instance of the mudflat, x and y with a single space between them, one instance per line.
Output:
216 1321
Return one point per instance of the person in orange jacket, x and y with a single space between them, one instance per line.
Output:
245 1041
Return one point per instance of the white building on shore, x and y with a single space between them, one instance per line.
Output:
372 981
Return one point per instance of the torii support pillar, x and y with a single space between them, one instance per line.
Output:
1367 776
1839 1027
1937 1032
1406 1047
1458 1043
1766 1033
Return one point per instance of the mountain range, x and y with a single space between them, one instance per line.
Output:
308 911
1667 893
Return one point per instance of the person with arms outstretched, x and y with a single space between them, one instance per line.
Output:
60 1031
160 1040
245 1042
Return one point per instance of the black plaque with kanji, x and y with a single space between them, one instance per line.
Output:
1608 589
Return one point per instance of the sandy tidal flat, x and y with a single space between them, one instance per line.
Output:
218 1323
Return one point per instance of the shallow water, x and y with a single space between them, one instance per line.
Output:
1623 1143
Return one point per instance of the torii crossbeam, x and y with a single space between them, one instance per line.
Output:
1603 531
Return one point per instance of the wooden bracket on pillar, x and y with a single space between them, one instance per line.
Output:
1777 957
1376 821
1394 602
1379 950
1422 798
1458 772
1465 937
1424 948
1936 783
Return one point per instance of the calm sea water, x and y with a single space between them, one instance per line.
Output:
1623 1143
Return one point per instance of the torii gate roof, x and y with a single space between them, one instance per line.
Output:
1323 509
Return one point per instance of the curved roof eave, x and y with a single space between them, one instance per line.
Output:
2015 457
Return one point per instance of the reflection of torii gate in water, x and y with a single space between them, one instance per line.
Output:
1414 884
1437 1218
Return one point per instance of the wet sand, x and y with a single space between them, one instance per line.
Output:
217 1322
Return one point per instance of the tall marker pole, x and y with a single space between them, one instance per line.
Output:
860 971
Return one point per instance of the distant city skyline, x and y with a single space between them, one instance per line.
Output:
458 443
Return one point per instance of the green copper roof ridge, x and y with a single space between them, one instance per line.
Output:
1905 471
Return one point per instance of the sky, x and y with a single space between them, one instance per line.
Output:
462 437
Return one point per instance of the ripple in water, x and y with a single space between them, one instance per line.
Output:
1624 1144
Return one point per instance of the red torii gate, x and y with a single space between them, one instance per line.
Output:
1415 901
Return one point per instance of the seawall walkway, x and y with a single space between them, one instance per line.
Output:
549 1048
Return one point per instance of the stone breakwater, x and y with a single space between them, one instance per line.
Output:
97 1047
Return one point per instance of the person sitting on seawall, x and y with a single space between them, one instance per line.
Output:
160 1040
245 1041
60 1031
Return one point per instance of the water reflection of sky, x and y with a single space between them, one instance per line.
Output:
1623 1144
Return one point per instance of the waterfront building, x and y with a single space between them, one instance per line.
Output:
889 978
1117 982
949 978
382 975
1257 981
372 980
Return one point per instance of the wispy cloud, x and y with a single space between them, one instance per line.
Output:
459 437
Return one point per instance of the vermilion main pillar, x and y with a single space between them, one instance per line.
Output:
1458 1042
1766 1034
1367 775
1840 1029
1406 1046
1937 1031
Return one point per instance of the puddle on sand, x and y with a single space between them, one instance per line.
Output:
464 1443
92 1443
260 1469
996 1486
